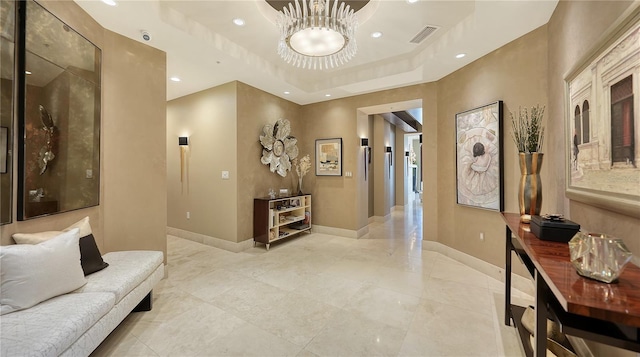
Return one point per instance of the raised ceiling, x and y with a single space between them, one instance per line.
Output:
205 49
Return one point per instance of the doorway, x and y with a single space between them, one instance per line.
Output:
391 160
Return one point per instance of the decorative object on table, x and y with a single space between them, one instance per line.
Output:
58 114
553 227
479 181
279 146
528 135
284 192
329 157
317 34
302 167
601 122
272 193
598 256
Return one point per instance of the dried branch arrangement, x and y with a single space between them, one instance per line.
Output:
527 131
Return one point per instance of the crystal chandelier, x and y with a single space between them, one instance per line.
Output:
316 35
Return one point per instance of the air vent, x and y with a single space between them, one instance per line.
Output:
424 33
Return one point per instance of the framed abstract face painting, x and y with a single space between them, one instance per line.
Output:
479 178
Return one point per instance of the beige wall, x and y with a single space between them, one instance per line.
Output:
401 168
257 108
338 118
131 214
134 126
517 75
208 118
224 126
573 29
569 41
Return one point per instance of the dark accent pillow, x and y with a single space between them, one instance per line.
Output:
90 256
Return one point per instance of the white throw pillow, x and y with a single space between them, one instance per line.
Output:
35 238
30 274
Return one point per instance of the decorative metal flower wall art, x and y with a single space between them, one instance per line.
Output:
279 147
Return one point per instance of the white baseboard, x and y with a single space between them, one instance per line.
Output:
380 219
211 241
397 208
518 282
347 233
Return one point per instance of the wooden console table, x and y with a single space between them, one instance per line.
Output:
605 313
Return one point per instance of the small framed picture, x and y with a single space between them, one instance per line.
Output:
284 192
329 157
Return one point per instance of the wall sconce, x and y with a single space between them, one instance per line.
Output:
406 158
364 142
390 155
183 143
388 150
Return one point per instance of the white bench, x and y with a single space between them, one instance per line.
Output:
74 324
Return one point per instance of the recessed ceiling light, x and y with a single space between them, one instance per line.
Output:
27 72
238 21
327 95
376 34
460 55
175 79
412 1
287 92
109 2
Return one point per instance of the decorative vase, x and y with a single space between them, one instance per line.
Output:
300 186
530 190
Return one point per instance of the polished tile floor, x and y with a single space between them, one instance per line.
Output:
321 295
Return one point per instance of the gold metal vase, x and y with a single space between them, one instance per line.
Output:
530 188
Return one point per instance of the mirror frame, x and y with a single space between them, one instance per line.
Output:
54 168
7 172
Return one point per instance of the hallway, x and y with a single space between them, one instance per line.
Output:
321 295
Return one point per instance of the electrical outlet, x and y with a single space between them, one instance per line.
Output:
188 215
482 236
88 174
225 175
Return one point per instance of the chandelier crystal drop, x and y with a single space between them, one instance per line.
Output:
318 34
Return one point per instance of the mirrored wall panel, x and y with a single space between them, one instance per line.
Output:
7 45
59 156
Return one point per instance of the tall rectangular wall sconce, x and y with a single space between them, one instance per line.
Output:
183 143
364 142
406 158
388 150
390 155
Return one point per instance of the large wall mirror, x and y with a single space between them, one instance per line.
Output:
59 132
7 45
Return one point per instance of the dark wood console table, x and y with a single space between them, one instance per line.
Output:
605 313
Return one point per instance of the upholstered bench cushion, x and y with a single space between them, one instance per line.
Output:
126 270
50 327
